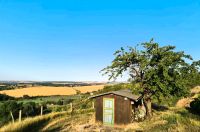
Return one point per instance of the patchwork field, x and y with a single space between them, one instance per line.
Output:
50 91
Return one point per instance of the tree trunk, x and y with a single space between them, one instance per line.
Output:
147 105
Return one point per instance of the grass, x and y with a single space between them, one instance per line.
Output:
50 98
174 120
30 124
50 91
40 123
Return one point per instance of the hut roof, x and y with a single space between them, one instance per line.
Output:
125 93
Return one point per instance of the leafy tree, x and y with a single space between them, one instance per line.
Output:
8 107
161 72
29 109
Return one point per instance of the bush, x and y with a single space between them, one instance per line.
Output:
116 87
195 106
4 97
67 101
9 107
26 97
30 109
60 102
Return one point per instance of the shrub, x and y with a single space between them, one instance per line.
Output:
67 101
29 109
26 97
195 106
4 97
60 102
9 107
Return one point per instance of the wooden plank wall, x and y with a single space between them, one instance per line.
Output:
123 109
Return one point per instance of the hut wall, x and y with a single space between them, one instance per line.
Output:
123 109
99 109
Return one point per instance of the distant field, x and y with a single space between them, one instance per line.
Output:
50 91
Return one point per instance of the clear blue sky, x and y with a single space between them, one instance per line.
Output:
74 39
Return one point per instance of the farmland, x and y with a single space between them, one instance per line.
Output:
50 91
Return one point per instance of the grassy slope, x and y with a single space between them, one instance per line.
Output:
172 120
31 124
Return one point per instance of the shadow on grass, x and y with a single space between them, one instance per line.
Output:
36 127
159 107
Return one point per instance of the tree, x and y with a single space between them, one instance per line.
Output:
29 109
9 109
160 71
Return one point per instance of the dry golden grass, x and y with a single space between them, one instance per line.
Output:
185 102
32 124
196 90
50 91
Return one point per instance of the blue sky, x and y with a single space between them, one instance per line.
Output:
74 39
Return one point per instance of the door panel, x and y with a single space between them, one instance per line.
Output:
108 111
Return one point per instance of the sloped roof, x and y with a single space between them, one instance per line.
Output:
125 93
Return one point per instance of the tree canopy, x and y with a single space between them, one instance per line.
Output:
160 70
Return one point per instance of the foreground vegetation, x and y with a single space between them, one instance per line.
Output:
81 118
29 106
170 120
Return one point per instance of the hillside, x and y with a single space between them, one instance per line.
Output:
174 119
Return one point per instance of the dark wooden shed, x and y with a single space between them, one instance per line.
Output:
116 107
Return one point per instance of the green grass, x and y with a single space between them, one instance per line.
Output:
45 99
174 120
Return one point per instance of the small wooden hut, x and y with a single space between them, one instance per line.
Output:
118 107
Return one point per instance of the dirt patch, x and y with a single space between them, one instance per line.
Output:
185 102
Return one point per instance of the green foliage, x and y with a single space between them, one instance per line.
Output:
109 88
7 87
4 97
160 71
28 109
67 101
6 108
169 102
195 106
134 87
60 102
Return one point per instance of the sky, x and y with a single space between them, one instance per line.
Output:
72 40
